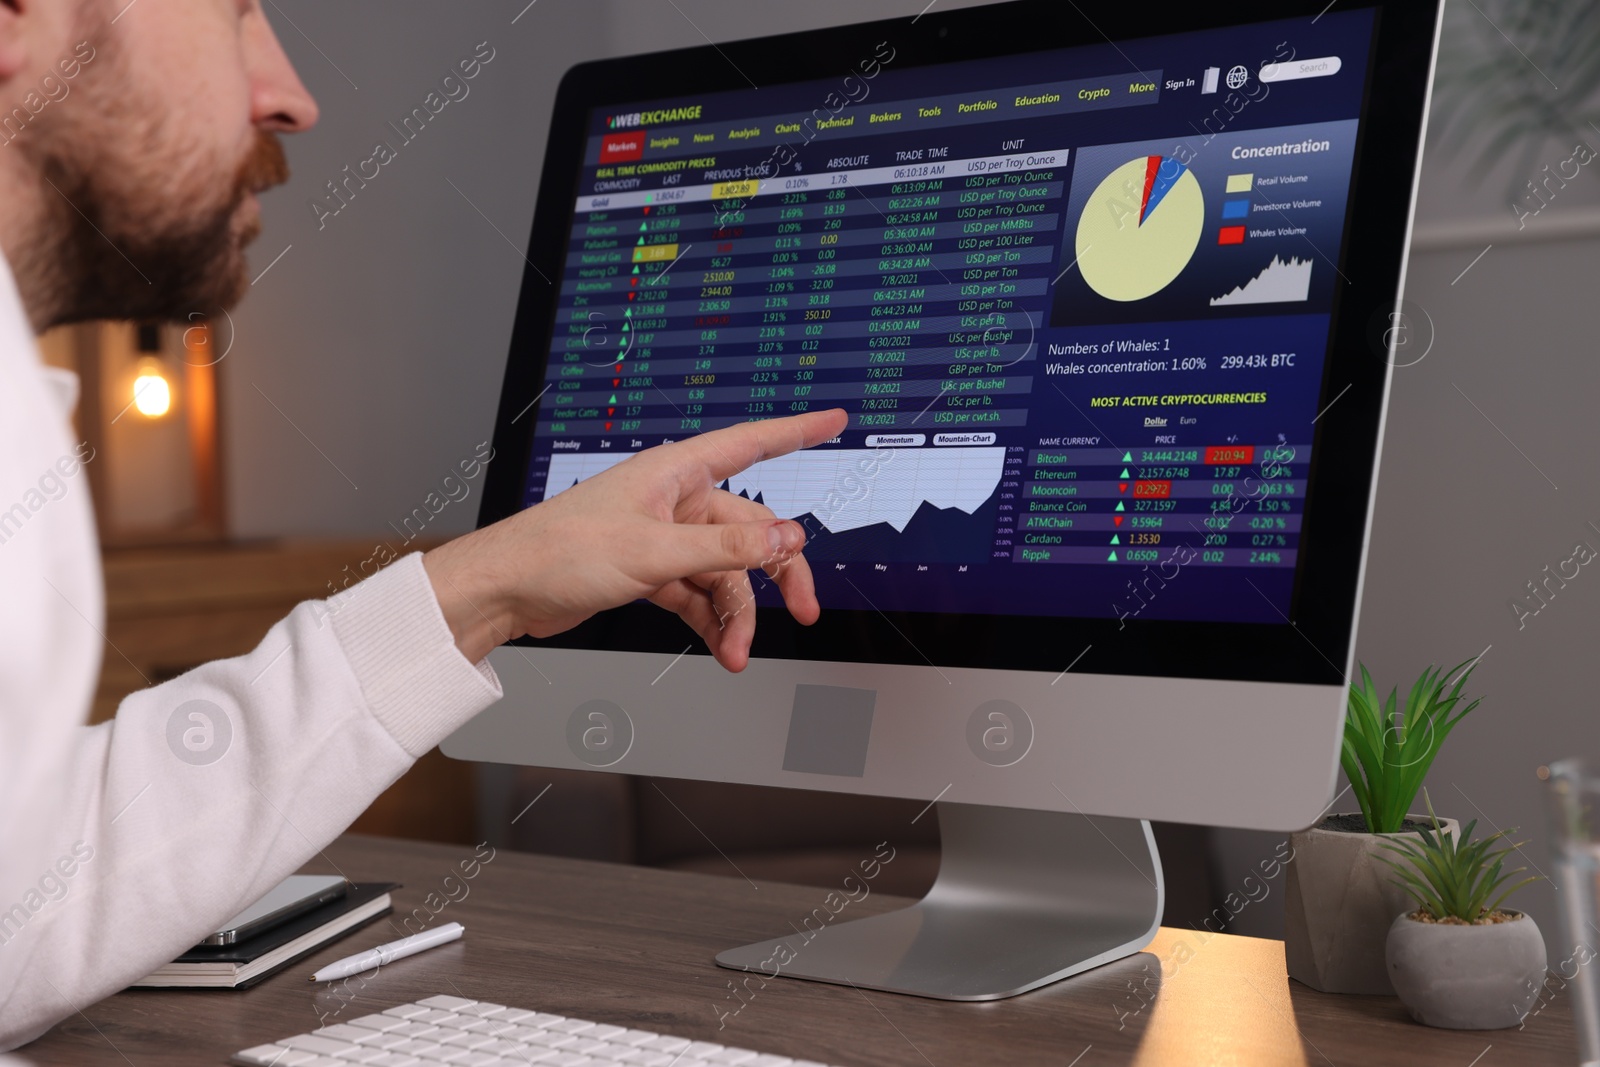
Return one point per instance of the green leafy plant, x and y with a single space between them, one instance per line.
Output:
1387 753
1452 879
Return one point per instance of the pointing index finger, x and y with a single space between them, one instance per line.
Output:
728 451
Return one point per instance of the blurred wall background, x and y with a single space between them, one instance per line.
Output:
381 335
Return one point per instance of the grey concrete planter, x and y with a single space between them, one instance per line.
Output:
1467 977
1339 901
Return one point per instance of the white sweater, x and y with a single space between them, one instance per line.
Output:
123 844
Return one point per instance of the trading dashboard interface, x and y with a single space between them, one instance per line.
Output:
1076 303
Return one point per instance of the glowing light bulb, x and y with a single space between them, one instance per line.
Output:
152 393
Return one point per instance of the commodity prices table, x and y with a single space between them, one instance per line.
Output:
908 295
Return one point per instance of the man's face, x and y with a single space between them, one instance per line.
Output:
150 166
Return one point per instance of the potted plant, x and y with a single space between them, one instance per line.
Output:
1339 899
1460 960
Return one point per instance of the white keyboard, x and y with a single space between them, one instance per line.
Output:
470 1033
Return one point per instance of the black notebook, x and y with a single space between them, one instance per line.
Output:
241 965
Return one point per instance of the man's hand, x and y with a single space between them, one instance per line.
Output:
654 526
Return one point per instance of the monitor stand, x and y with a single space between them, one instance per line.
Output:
1023 899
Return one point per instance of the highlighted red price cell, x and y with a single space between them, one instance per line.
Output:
1229 454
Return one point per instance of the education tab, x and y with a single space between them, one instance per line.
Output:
1039 100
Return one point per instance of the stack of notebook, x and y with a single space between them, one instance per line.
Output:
243 964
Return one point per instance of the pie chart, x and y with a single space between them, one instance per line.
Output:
1140 228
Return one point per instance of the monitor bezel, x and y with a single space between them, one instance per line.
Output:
1313 644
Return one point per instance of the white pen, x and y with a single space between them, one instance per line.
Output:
387 954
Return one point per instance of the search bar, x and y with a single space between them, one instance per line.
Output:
1296 69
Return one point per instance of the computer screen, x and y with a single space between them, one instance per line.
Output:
1078 313
1078 303
1111 304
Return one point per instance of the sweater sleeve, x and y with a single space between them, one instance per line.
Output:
206 791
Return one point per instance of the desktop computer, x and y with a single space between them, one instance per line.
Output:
1109 300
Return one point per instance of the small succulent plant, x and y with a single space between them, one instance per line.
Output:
1455 880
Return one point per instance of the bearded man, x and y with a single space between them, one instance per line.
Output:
128 190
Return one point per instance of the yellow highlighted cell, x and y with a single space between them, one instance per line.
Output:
653 253
725 190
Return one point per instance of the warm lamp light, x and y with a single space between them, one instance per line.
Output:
152 392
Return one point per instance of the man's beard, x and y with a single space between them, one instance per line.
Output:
119 253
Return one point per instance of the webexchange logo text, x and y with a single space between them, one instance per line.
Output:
653 118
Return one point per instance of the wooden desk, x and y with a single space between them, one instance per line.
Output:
634 946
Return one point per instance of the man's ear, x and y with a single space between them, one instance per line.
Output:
14 16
